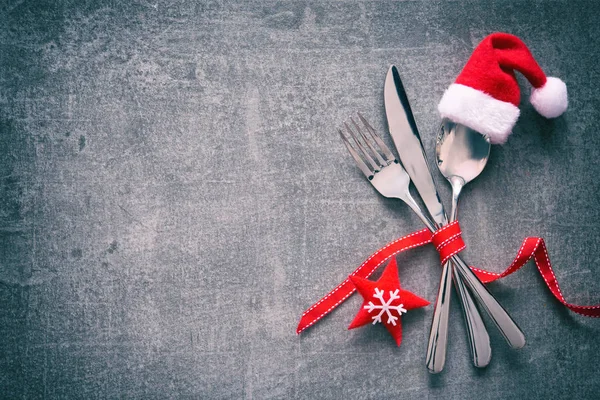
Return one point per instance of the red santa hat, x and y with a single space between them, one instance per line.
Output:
485 96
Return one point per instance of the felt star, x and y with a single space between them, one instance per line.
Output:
384 301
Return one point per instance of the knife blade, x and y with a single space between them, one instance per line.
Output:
407 140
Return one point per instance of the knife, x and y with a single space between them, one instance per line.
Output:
405 135
403 128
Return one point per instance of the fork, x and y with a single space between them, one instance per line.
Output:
388 176
385 173
390 179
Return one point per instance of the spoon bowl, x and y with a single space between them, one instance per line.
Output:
461 154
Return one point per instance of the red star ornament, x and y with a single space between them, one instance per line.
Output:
384 301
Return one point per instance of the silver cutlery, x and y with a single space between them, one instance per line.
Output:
405 135
403 130
461 155
390 179
387 175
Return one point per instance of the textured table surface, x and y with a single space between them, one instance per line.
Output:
173 195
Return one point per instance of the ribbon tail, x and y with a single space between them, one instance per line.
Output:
345 289
542 261
534 247
326 305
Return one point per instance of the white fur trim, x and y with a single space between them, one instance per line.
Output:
551 99
479 111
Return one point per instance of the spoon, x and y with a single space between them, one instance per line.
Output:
462 154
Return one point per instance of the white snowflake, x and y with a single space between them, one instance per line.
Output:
385 307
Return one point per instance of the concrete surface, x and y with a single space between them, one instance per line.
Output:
173 195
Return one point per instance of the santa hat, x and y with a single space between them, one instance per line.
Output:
485 96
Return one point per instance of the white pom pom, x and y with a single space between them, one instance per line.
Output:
551 99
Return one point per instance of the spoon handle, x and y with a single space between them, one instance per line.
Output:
479 338
509 329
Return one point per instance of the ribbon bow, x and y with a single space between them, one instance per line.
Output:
448 242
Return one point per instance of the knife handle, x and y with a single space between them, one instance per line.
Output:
509 329
438 335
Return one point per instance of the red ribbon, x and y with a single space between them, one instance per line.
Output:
448 241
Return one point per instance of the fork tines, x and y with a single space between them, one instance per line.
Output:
369 151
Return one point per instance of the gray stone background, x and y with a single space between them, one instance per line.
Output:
173 195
